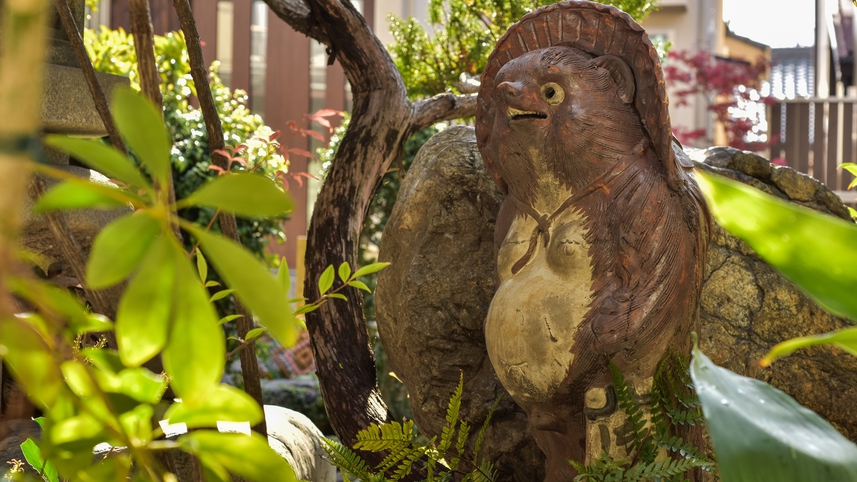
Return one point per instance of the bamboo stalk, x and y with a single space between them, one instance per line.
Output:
228 224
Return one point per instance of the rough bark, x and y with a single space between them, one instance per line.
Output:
382 119
228 224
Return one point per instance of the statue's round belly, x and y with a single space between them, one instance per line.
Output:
531 326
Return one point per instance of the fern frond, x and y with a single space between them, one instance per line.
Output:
661 469
463 434
633 413
481 437
386 436
407 462
347 460
687 451
399 456
451 416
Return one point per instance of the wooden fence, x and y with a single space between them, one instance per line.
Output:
815 136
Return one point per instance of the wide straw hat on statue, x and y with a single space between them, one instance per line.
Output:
599 30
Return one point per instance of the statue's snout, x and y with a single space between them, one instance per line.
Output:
520 103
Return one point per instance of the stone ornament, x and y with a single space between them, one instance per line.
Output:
601 238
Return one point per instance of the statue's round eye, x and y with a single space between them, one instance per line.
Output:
552 93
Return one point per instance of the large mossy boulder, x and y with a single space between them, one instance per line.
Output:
432 301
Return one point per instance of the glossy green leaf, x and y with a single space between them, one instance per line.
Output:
104 359
90 323
78 379
210 284
246 455
142 320
359 285
137 424
119 248
306 309
101 157
813 250
81 432
325 281
370 268
221 403
54 298
196 352
344 271
202 267
255 333
33 456
845 339
253 284
283 275
220 295
338 296
142 384
142 127
73 195
244 194
32 362
760 433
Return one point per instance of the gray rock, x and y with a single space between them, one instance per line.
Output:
67 105
300 394
14 433
432 301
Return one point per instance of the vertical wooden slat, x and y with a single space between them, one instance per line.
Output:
242 17
792 144
803 135
119 15
205 13
848 126
776 116
819 166
832 141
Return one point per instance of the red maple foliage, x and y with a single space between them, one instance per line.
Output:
729 86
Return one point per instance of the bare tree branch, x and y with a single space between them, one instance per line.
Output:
297 15
442 107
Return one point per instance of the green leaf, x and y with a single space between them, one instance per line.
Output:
283 275
33 455
253 284
243 193
119 248
255 333
142 319
101 157
142 127
325 281
344 271
359 285
369 269
220 403
196 352
220 295
307 309
845 339
210 284
90 323
338 296
815 251
760 433
247 456
202 268
137 424
31 361
228 318
74 195
104 359
81 432
142 384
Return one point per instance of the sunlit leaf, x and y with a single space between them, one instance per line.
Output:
760 433
359 285
246 455
245 194
142 127
370 268
196 352
228 318
202 267
119 248
283 275
90 323
32 362
220 403
100 157
72 195
344 271
220 295
338 296
142 385
306 309
325 281
33 456
81 432
813 250
255 333
83 385
253 284
104 359
142 320
845 339
137 424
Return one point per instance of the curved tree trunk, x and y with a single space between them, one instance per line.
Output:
382 120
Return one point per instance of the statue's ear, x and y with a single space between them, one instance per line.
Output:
622 75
